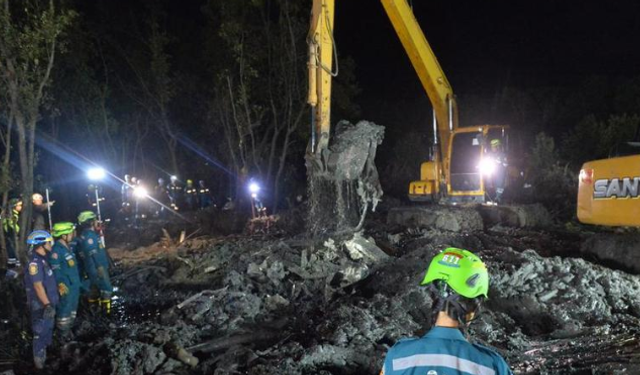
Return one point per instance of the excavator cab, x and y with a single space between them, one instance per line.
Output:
466 154
471 168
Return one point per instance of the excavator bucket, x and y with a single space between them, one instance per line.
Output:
343 179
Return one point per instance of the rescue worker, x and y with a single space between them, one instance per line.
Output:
161 195
96 258
91 195
11 227
42 294
141 201
126 193
499 175
204 196
39 209
260 209
190 195
175 193
84 265
459 282
65 268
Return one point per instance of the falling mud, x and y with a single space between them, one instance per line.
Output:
343 181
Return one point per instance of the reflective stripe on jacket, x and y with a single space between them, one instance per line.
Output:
443 351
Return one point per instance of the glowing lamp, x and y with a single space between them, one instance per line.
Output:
487 166
140 192
254 188
96 174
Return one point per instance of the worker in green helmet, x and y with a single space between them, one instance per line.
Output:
191 196
65 268
11 227
498 177
459 282
96 258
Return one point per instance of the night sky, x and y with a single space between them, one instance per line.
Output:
484 45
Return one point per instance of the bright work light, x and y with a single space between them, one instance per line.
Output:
140 192
96 174
254 188
487 166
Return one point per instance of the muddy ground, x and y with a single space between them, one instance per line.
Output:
285 304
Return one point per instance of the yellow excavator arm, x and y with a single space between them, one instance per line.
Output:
426 64
437 176
321 46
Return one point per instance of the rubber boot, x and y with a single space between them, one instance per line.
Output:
39 361
499 192
106 305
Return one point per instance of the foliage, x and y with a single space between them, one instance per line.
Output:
260 97
30 36
554 185
592 139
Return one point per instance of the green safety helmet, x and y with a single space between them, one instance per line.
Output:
39 237
63 228
495 142
462 270
14 202
86 216
189 182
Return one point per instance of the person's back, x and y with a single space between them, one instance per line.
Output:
458 282
443 350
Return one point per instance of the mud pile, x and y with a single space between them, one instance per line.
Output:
261 305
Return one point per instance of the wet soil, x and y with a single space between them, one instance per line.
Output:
284 303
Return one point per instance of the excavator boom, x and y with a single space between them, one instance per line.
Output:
321 47
454 169
426 64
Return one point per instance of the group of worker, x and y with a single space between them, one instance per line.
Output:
61 268
173 195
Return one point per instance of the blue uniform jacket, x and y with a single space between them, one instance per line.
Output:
443 351
64 265
92 248
39 270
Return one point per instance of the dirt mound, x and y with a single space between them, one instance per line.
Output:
621 250
293 305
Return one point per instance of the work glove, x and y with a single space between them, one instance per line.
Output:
63 289
101 272
49 312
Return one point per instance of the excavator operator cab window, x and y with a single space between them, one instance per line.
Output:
466 152
494 134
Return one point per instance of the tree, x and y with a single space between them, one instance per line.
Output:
30 36
261 80
592 139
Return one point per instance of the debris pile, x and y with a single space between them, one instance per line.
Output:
265 305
